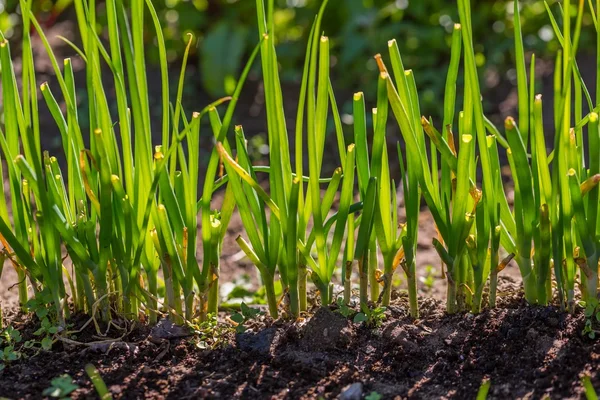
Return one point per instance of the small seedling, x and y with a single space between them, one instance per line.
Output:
10 335
374 396
246 314
40 305
592 315
372 318
210 334
343 308
8 353
61 387
206 331
47 330
429 279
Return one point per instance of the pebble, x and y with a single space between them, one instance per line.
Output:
115 389
352 392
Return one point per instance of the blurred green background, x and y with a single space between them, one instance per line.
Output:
358 29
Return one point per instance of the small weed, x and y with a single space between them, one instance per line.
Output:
242 290
42 307
7 355
10 334
429 279
343 308
210 334
46 331
9 338
592 315
246 314
61 387
373 396
372 318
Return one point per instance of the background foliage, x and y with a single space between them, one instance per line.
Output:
358 29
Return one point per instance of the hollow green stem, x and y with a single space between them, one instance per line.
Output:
302 281
363 268
413 300
373 274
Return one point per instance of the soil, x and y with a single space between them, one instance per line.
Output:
526 352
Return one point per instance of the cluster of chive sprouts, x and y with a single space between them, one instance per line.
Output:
131 217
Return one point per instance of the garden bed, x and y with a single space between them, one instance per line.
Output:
526 352
122 209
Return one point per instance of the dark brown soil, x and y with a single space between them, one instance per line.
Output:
526 352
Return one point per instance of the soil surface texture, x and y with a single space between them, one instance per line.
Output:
526 352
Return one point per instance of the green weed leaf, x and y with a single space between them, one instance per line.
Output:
238 318
61 387
360 317
46 343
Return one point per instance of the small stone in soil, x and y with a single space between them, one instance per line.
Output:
352 392
166 329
